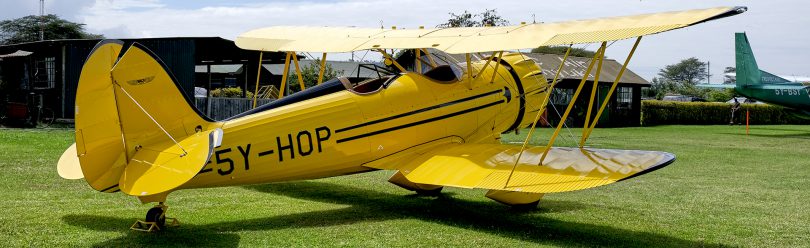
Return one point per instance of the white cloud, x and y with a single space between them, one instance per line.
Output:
774 29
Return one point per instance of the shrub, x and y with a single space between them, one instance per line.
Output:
710 113
233 92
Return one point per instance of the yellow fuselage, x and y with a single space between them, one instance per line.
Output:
337 133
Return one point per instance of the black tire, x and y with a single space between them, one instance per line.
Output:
46 117
156 215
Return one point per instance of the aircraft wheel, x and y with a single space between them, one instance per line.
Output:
157 215
432 192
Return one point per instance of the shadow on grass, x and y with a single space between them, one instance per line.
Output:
372 206
185 235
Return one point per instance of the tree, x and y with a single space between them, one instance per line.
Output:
310 75
727 79
658 89
461 20
686 73
27 29
575 51
489 17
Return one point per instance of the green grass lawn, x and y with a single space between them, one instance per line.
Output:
725 189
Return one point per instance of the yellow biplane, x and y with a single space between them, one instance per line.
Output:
435 126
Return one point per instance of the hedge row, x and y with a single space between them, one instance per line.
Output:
712 113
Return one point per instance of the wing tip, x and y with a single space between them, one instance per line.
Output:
670 158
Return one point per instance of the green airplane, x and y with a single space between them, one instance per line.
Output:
760 85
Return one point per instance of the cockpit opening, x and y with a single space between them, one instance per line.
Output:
443 73
366 86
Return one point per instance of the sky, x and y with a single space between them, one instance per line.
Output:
777 29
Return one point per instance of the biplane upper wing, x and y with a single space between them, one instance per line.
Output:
475 39
489 166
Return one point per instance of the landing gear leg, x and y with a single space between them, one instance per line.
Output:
155 220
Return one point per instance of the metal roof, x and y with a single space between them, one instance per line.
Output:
18 53
575 68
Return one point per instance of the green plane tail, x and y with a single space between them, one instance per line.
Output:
747 70
748 73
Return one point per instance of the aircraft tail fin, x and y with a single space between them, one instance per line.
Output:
748 72
136 131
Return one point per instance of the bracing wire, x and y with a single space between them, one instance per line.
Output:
153 120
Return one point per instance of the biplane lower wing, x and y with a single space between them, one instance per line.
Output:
488 166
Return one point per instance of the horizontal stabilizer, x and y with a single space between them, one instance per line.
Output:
488 166
791 86
164 166
68 166
770 78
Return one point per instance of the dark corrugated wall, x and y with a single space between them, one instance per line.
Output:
177 54
75 55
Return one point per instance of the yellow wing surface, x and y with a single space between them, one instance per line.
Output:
488 166
475 39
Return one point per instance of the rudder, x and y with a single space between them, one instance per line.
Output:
135 129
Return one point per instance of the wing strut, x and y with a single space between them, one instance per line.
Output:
469 71
284 76
588 130
298 72
593 91
320 71
539 113
430 58
385 55
495 72
585 77
491 57
258 76
418 61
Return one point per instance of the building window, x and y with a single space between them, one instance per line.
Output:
561 96
45 73
624 97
